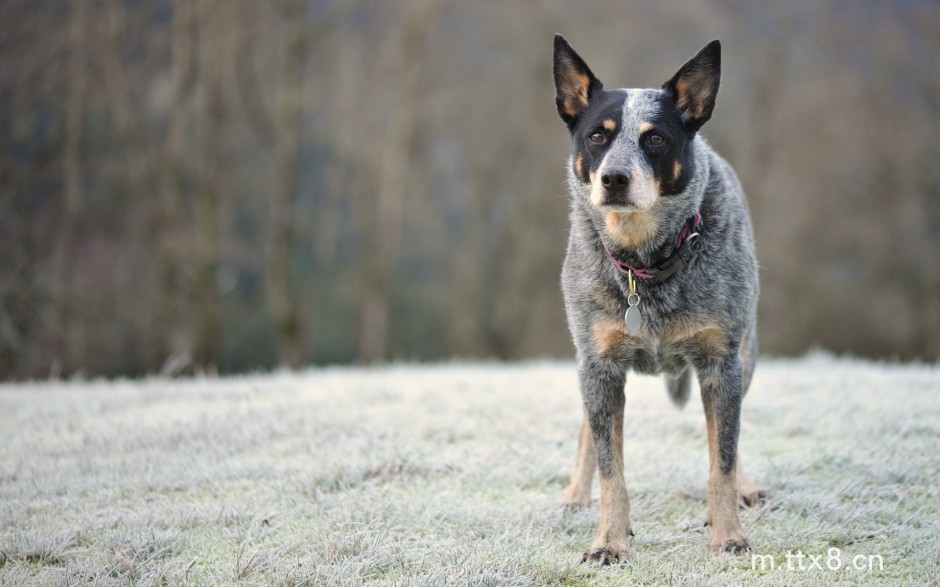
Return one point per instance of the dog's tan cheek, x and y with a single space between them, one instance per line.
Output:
579 166
676 170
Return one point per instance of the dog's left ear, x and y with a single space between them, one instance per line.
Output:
575 85
695 86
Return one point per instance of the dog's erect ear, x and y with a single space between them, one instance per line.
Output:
695 86
575 85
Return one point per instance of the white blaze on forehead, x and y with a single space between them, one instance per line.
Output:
639 107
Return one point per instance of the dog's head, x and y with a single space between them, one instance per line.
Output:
631 147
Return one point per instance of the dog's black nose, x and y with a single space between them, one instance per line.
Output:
615 180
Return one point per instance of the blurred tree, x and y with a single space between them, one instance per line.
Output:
169 239
62 325
281 290
399 70
214 54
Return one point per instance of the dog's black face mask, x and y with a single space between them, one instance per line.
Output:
629 146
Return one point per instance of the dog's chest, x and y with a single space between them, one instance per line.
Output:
663 345
651 356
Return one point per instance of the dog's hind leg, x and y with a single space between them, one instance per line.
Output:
578 493
680 387
750 495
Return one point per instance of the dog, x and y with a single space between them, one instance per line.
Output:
660 276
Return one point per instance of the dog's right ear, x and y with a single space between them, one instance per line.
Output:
575 85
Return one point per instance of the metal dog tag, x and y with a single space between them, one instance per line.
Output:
633 317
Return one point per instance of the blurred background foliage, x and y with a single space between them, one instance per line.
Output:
202 185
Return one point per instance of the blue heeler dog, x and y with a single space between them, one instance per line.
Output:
660 277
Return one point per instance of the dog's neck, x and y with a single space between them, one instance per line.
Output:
641 239
685 247
648 254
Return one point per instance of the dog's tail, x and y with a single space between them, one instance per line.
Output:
680 387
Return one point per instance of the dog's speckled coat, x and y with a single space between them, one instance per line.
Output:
639 169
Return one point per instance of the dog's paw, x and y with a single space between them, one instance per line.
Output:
607 555
736 545
755 497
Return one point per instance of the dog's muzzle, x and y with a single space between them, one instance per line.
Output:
616 184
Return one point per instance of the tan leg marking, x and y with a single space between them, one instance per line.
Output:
707 338
578 493
608 336
727 535
618 441
711 341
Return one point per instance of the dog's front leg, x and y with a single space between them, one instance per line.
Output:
721 383
602 385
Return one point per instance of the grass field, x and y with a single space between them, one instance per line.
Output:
451 474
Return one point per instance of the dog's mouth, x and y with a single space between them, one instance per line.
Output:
621 208
623 205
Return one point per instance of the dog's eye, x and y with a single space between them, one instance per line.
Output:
597 137
656 140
